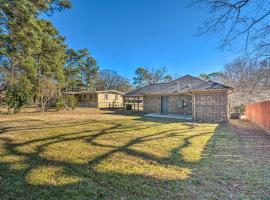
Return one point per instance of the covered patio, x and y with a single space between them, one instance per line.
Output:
133 103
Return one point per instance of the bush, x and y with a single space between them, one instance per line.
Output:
60 103
67 102
240 109
18 94
72 102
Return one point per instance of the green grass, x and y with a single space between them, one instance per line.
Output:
89 154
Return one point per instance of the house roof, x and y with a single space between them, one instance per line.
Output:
183 84
96 92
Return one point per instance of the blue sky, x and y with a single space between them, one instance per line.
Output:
125 34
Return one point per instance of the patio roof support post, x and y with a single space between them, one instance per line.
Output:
134 103
138 103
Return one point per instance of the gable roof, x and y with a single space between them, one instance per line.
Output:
181 85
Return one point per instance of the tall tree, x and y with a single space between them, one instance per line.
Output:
156 75
20 34
81 70
18 28
241 23
30 47
144 76
111 80
49 62
72 71
141 76
91 73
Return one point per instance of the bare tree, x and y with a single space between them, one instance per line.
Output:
248 77
241 23
154 75
111 80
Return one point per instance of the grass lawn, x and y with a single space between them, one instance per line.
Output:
91 154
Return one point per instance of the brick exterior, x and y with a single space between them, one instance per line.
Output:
151 104
176 104
211 107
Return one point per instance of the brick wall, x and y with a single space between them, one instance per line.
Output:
152 104
176 105
211 107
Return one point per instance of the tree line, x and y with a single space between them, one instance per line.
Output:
249 78
36 64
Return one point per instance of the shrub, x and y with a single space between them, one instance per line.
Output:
67 102
18 94
240 109
72 102
60 103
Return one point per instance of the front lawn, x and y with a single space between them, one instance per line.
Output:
90 154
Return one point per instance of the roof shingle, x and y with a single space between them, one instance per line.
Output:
181 85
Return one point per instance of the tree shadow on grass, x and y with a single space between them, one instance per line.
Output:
30 175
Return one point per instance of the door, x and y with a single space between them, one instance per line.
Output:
164 104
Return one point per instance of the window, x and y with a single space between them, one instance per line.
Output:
116 97
106 96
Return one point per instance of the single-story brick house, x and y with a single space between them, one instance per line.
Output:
99 99
203 100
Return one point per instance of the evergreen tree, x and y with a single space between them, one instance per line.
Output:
30 47
141 76
72 72
81 70
49 60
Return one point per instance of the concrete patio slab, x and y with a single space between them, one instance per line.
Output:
170 116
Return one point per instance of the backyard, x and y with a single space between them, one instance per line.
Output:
92 154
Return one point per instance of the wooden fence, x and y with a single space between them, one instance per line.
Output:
259 113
